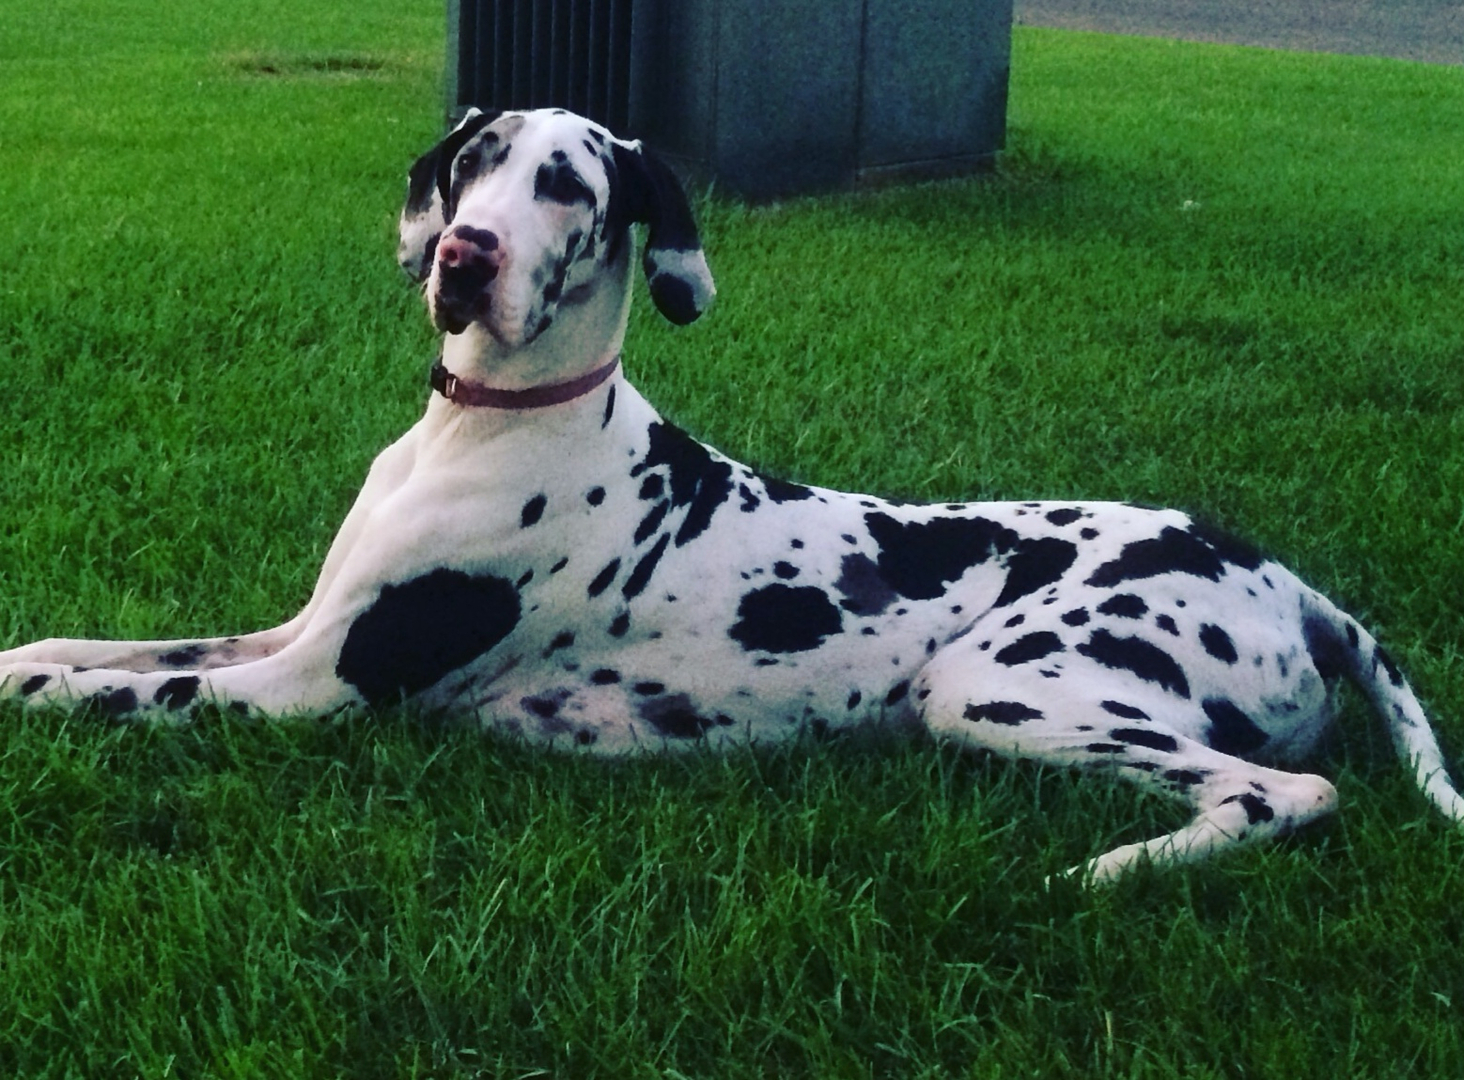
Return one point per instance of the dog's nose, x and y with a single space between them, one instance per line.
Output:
469 255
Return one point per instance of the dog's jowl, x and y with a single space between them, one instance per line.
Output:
545 554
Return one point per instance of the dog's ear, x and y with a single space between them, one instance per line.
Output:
424 214
473 121
645 190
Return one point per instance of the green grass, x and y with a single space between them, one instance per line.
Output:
1219 278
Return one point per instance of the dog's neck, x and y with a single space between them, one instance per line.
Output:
478 396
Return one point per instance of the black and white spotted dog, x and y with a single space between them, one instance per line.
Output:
543 552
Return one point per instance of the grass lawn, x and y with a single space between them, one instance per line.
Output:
1218 278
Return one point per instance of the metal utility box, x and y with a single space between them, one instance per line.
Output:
766 97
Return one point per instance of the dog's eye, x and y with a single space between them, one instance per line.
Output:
470 164
563 185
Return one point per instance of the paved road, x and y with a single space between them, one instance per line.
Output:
1428 30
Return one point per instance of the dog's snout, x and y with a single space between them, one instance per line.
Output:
470 253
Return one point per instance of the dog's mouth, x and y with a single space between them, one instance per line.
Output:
468 262
455 309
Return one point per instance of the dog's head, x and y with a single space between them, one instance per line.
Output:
513 218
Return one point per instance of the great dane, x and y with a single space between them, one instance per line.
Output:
544 553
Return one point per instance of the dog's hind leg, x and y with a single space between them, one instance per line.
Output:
1102 721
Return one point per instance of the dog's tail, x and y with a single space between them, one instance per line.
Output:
1339 645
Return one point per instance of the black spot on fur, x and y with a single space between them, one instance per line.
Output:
1124 606
781 491
559 183
1218 644
620 624
1257 810
609 408
533 510
1185 778
115 702
1167 624
919 559
605 677
641 575
418 631
785 570
1327 652
1148 662
1032 647
863 590
698 482
854 699
1173 551
595 496
1064 517
562 640
652 521
1231 549
674 717
186 656
652 487
33 684
1001 712
1036 563
674 297
602 580
897 693
785 618
177 693
1145 737
1231 731
1394 675
1128 712
649 689
1076 617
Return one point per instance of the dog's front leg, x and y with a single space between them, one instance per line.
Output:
205 654
371 642
180 654
296 680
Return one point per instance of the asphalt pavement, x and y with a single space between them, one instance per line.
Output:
1430 31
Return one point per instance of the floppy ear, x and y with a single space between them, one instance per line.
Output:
473 121
645 190
424 215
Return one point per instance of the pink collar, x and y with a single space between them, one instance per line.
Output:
476 395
